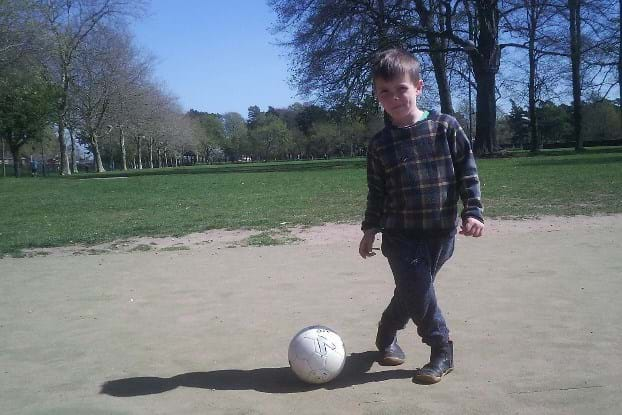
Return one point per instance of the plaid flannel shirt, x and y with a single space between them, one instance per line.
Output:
416 176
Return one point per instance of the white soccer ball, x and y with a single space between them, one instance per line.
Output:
316 354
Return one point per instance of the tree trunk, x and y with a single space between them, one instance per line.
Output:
437 57
533 122
485 60
97 155
64 160
123 152
485 115
440 73
16 161
151 140
620 63
574 7
138 151
381 30
3 162
111 155
74 159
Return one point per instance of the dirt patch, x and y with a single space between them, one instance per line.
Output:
315 235
186 325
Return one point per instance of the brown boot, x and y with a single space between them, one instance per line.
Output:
391 353
441 363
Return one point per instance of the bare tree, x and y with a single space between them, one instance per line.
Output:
592 53
333 41
166 119
574 11
100 73
19 32
534 24
472 26
431 21
69 23
127 112
600 53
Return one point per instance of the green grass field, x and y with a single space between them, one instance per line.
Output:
55 211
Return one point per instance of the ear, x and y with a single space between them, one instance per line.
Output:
419 87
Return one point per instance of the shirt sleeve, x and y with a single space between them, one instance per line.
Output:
467 176
375 193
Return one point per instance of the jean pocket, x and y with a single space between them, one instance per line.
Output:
413 252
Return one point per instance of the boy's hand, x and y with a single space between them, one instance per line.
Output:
367 243
472 227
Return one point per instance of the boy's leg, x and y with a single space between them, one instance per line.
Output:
392 320
441 362
414 264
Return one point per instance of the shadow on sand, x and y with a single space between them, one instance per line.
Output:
267 380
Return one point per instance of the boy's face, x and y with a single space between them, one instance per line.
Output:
398 97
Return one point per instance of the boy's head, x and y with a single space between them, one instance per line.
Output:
397 85
393 63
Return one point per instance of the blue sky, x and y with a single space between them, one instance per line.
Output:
217 56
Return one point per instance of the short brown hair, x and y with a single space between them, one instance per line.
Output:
391 63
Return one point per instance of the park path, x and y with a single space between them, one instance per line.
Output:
533 307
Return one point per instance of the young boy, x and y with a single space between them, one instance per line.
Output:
418 167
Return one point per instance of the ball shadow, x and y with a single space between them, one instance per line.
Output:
266 380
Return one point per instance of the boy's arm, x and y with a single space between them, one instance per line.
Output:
375 204
375 193
466 174
367 243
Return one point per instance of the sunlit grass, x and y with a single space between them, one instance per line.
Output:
43 212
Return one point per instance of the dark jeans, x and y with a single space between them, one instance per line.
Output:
415 262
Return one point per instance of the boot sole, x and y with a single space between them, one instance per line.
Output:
427 379
390 361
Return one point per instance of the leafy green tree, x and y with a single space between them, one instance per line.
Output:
353 137
601 121
211 134
310 115
504 131
306 119
272 138
236 133
519 125
323 136
255 117
27 105
554 123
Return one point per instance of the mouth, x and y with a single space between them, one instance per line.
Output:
397 108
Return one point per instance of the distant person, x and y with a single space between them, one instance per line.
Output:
418 167
33 168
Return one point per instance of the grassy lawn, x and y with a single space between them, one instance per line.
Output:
54 211
555 183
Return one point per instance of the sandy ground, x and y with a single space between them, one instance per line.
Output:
201 325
